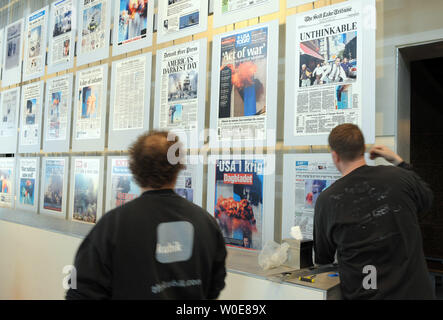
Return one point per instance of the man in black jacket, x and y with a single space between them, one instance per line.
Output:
158 246
369 217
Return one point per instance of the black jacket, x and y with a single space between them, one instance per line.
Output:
370 217
158 246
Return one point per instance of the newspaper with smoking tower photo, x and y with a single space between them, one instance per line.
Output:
31 109
62 33
58 95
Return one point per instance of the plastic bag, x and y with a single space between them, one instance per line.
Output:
273 255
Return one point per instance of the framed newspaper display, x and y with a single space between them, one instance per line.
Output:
133 25
12 54
121 186
9 115
130 100
62 32
330 72
93 35
28 183
232 11
178 19
7 182
54 186
58 110
31 117
2 34
241 198
86 189
189 183
35 44
244 87
294 3
180 91
90 109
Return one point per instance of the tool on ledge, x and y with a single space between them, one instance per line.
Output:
308 278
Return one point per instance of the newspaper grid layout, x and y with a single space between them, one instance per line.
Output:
123 186
238 206
53 196
179 15
243 85
179 87
31 107
328 89
8 113
229 6
94 31
59 91
27 181
13 44
86 182
185 185
62 32
89 104
129 102
34 61
311 178
7 174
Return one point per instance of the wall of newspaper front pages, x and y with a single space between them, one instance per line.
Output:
224 82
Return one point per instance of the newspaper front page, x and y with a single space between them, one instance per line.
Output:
86 183
13 44
27 182
328 64
62 34
179 87
58 94
129 102
243 85
8 113
93 31
53 196
179 15
7 177
133 20
31 110
186 183
34 61
89 104
123 186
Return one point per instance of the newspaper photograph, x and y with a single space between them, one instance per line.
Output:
58 95
328 90
31 107
239 202
311 179
129 101
7 176
93 31
27 180
13 45
243 85
62 31
123 186
90 95
8 113
133 20
229 6
35 56
86 182
179 15
53 184
184 186
179 87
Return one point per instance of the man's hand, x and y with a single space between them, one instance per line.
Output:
386 153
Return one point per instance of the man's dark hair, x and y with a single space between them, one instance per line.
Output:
347 141
149 161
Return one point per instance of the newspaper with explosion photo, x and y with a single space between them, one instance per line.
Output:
243 85
86 184
329 85
123 186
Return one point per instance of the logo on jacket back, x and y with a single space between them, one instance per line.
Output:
175 241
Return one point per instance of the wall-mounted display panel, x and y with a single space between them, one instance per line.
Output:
90 109
133 25
177 19
232 11
28 183
54 186
13 51
58 110
35 44
62 31
9 115
241 198
330 72
86 189
93 35
130 100
7 182
244 87
31 117
180 91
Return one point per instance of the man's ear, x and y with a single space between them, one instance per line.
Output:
335 157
